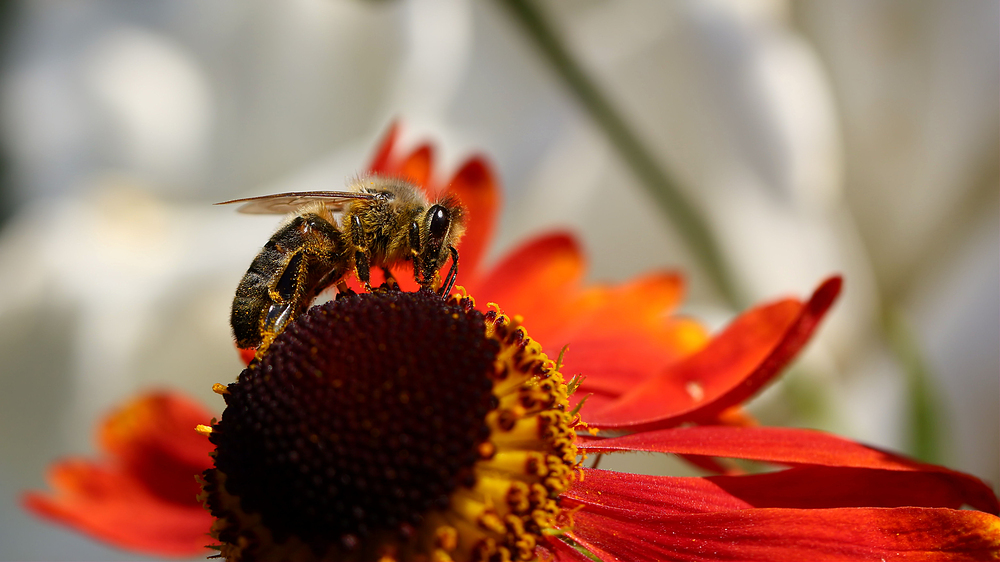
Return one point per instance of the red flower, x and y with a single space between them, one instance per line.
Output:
141 495
659 382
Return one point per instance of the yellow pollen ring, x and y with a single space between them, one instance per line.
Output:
513 502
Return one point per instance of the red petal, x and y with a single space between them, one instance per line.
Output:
730 369
823 487
476 188
403 273
381 162
142 496
795 534
628 495
625 495
116 509
789 446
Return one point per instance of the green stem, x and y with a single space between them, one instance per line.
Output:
651 175
925 407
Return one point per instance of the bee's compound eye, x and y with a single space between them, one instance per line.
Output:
440 221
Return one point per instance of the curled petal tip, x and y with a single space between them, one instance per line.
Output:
829 289
381 160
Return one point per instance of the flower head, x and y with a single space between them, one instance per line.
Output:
403 425
392 425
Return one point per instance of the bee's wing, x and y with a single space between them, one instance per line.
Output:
284 203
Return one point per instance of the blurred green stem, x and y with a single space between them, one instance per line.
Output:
664 189
925 408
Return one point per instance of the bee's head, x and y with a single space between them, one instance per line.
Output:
441 227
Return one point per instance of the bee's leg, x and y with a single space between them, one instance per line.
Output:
275 320
284 296
449 280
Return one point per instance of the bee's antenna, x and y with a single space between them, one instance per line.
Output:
449 280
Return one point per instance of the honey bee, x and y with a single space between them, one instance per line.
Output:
378 222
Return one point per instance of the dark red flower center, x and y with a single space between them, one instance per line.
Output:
364 415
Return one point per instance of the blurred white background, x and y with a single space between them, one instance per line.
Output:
823 136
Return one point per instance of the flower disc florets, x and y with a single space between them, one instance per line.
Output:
391 425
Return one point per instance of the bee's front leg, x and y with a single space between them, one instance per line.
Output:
449 281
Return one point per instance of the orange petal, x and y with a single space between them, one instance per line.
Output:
621 336
646 301
612 365
642 305
538 281
476 188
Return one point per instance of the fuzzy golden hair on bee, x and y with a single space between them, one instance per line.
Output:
376 222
